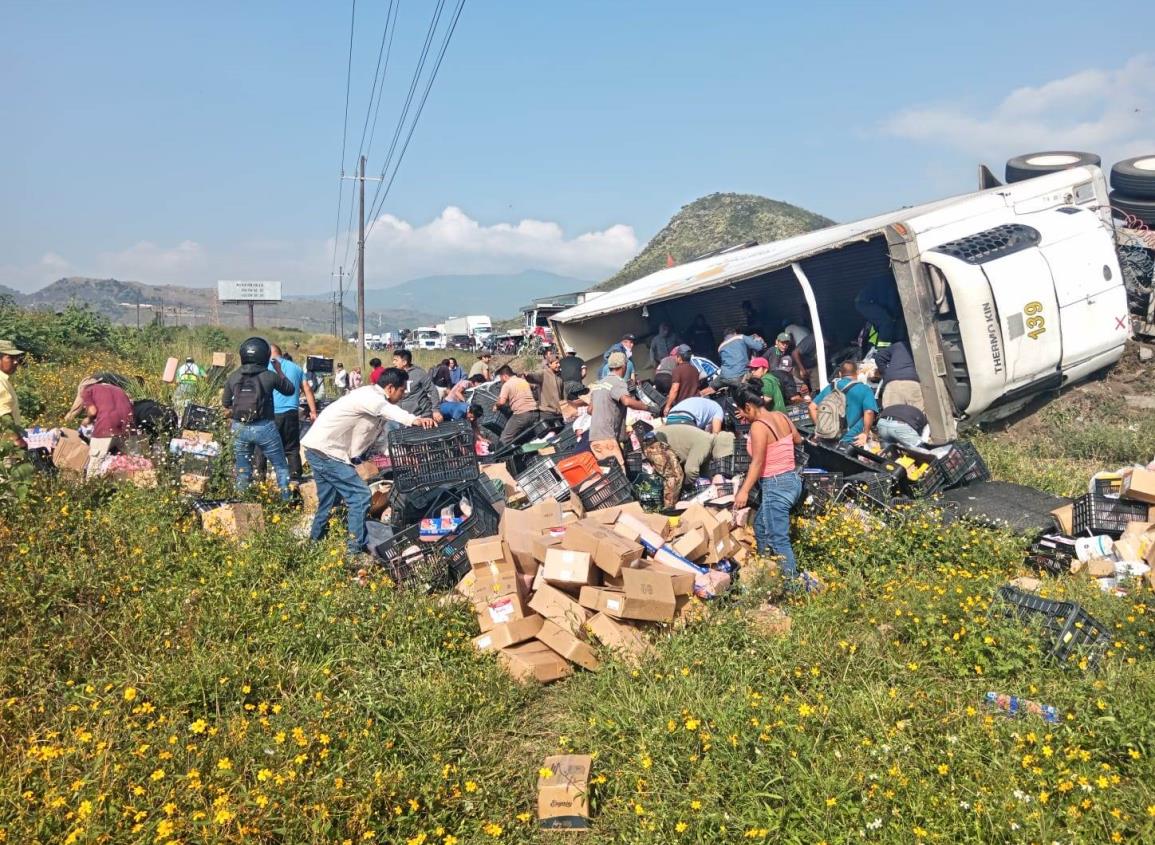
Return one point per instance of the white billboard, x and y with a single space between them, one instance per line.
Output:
241 291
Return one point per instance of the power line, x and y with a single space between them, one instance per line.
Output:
378 84
344 135
409 96
417 116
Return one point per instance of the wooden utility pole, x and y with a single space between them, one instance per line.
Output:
361 272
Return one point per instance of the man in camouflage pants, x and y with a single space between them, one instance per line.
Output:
667 466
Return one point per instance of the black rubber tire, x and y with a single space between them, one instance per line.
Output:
1135 177
1021 167
1141 209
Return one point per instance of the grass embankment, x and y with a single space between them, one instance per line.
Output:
161 685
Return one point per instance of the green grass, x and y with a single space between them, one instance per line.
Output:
162 685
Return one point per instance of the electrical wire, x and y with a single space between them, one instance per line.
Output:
420 109
344 138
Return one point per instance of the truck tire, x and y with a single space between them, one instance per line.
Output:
1135 177
1052 161
1141 209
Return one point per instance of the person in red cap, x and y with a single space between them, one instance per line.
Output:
766 382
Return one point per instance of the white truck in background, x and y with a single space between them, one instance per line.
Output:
429 337
478 328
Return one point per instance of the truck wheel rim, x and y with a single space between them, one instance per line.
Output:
1052 160
1147 164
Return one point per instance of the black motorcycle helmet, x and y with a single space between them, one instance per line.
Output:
256 350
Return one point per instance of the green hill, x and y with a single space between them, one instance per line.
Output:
715 222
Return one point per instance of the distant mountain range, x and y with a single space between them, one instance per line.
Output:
715 222
414 303
495 294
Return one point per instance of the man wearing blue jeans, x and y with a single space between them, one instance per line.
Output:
248 396
341 435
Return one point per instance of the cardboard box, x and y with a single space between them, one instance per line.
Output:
197 436
615 553
483 550
195 484
509 633
1027 584
308 491
585 535
563 796
70 453
558 607
235 520
498 610
1064 518
498 472
220 359
496 579
644 595
1139 486
619 637
534 660
367 470
566 568
567 645
682 582
169 374
1099 567
144 478
541 545
521 548
533 520
693 544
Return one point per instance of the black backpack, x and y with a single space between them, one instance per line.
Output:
248 398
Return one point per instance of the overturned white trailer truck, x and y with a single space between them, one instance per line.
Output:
1007 293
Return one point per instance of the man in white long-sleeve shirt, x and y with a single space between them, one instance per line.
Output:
341 435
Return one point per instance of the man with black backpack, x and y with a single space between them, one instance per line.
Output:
248 396
844 410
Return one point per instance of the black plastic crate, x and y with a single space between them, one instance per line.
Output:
1109 487
635 462
931 481
198 418
875 488
612 488
1068 629
423 458
542 482
1094 514
721 466
407 509
978 467
649 493
494 420
960 459
824 485
412 563
1052 554
741 452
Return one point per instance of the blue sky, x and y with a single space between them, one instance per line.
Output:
181 143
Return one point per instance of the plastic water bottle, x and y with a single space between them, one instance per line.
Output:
1014 706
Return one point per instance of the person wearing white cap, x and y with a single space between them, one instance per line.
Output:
10 423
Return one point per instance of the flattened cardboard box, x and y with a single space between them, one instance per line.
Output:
534 660
509 633
619 636
236 520
567 645
220 359
563 796
556 606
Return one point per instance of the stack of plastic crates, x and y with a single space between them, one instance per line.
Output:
923 473
1069 631
1095 513
635 462
721 466
1052 554
424 458
609 488
412 563
483 521
962 464
543 481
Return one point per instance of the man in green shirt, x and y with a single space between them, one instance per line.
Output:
771 387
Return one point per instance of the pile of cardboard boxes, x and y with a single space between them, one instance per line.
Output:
1120 559
556 581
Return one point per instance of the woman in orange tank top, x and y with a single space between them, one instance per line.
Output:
772 465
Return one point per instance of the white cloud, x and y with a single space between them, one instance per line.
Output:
397 250
453 242
1110 112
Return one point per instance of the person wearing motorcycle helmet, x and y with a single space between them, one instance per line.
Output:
248 397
